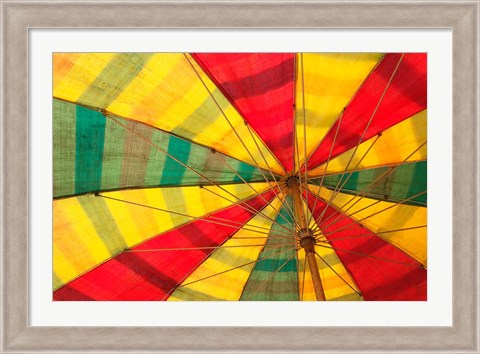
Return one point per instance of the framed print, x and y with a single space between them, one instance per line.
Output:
168 151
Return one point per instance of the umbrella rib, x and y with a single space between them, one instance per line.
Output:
231 269
202 248
338 275
367 126
205 218
369 216
370 234
269 169
186 166
297 154
375 182
294 113
274 273
336 249
225 116
304 136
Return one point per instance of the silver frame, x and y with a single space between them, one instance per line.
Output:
19 16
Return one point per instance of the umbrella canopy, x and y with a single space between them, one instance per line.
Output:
239 176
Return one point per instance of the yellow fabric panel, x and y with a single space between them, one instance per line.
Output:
330 81
413 242
229 285
167 94
74 72
334 287
79 245
395 145
76 245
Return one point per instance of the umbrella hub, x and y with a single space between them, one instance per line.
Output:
307 239
292 180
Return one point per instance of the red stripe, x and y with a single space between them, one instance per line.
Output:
406 95
378 280
260 86
144 276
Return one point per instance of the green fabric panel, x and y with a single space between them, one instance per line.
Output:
113 79
93 153
105 225
406 181
173 170
112 155
63 148
89 137
283 286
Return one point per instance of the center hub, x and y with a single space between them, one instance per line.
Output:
307 240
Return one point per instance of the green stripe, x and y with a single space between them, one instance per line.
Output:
246 171
283 286
173 171
89 137
113 155
113 79
63 148
406 181
105 225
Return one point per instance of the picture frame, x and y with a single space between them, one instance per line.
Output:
20 16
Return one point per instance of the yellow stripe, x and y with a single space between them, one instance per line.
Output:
412 242
330 82
394 145
77 245
227 286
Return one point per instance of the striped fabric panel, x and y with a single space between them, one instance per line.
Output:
94 153
222 276
326 82
403 226
168 91
398 183
261 87
404 142
87 230
390 276
405 96
150 271
275 277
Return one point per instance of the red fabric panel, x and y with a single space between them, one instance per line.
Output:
144 276
260 86
378 280
406 96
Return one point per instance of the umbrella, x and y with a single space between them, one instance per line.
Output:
239 176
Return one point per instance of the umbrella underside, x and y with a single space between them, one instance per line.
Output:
228 176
